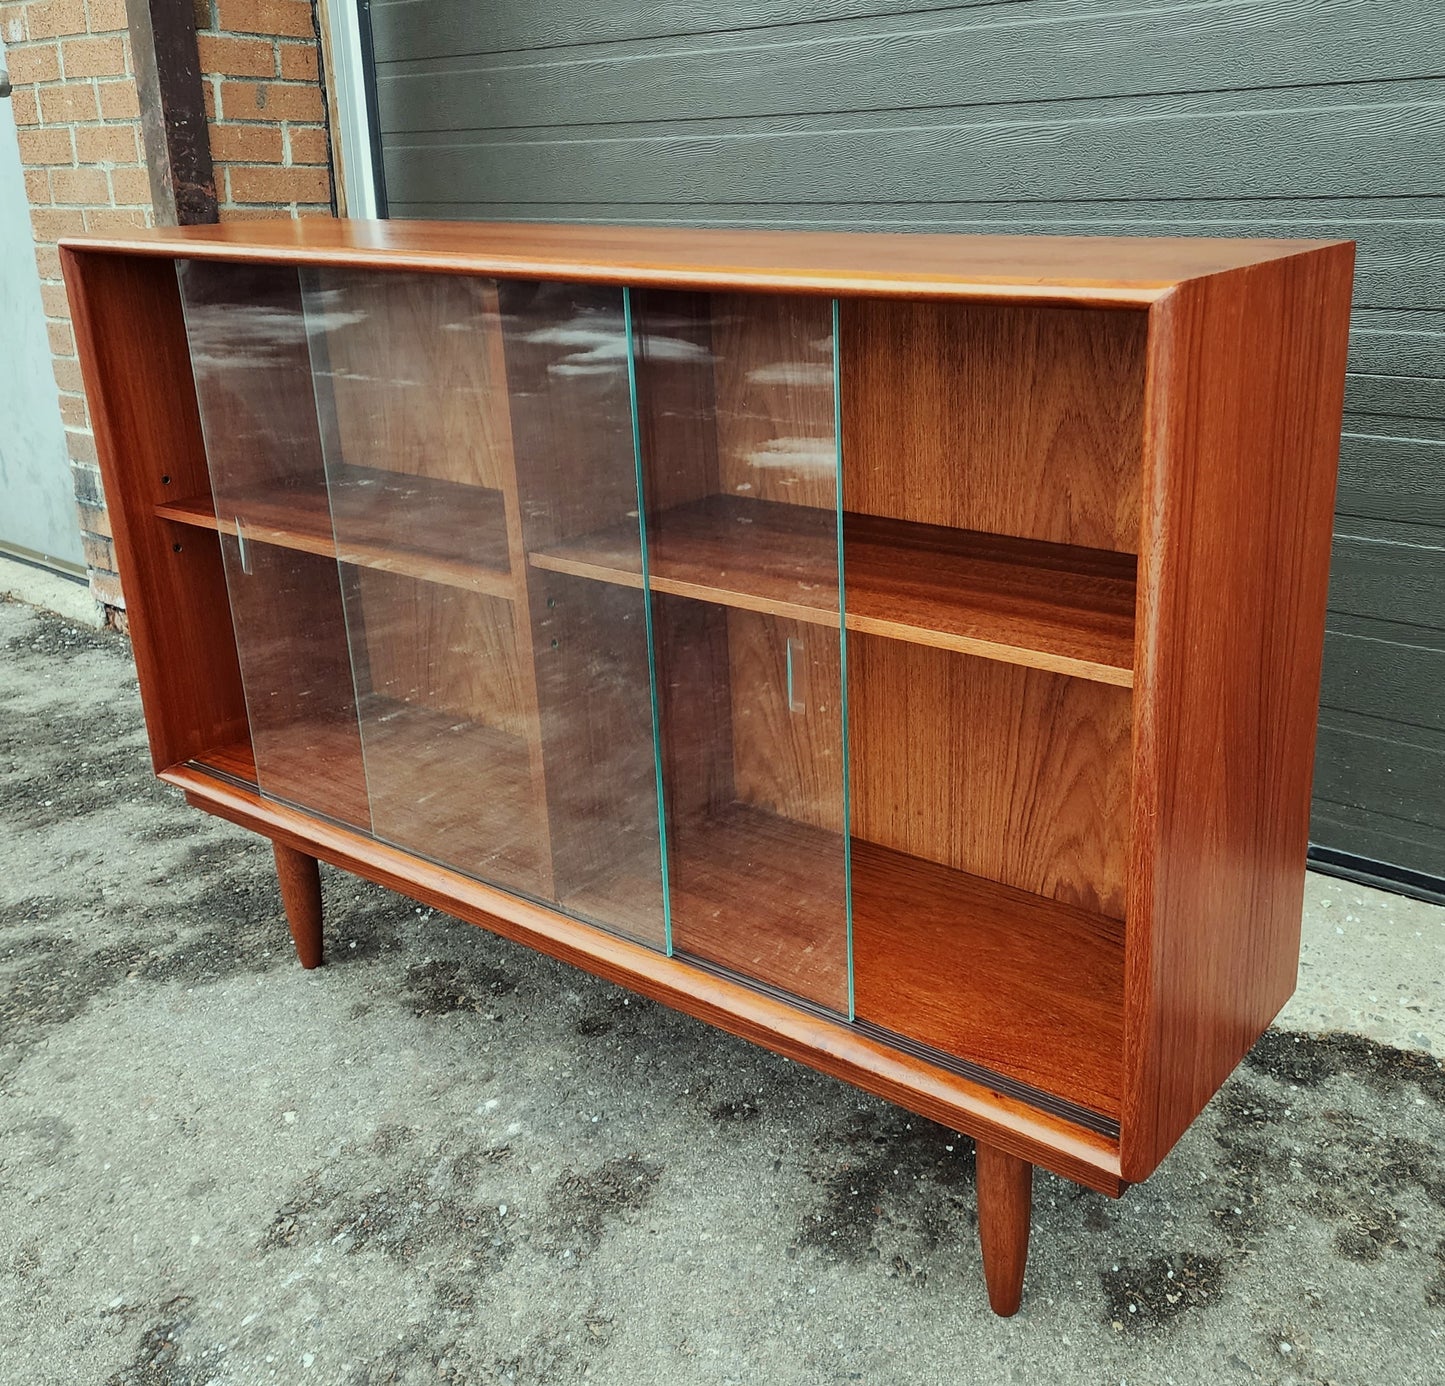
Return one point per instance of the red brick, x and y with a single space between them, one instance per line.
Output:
249 184
230 212
50 18
271 101
130 187
307 144
62 340
118 100
94 519
37 186
105 588
291 17
25 107
12 24
46 147
113 220
237 57
56 305
68 102
81 445
72 411
107 16
106 144
36 62
99 552
299 61
51 223
93 57
67 374
246 144
74 186
47 262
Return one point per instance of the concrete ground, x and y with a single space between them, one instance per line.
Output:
445 1159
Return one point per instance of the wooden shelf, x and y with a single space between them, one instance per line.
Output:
399 523
448 789
1047 606
1027 987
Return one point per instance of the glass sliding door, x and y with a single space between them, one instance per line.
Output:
249 355
411 393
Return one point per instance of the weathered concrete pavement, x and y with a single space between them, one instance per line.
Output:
442 1158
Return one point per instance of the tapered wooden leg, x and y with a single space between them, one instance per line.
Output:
1005 1192
301 894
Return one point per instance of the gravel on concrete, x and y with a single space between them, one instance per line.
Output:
443 1158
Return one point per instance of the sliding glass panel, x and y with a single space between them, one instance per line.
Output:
572 438
412 396
253 384
738 441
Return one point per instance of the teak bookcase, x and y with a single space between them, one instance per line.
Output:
899 651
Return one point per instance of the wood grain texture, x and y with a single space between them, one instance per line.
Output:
1005 1199
1101 270
773 368
1025 986
1246 382
1014 774
829 1045
405 376
1006 420
763 896
434 647
786 695
131 337
1050 606
441 531
300 884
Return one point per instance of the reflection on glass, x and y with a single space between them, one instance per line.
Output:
253 384
738 442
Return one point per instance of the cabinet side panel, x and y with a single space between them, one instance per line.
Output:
1242 441
132 341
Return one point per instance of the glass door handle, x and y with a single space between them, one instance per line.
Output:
797 682
243 552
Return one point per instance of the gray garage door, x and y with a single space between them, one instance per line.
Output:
1216 117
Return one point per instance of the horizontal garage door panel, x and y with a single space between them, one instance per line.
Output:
1388 680
1377 837
1394 777
1397 580
1305 142
1014 54
1392 477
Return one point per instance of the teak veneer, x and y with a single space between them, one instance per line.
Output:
900 651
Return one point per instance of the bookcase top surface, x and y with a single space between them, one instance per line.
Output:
1098 270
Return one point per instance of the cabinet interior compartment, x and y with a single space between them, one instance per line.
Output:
990 795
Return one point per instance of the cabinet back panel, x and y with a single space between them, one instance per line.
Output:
442 648
787 757
1010 773
411 375
1021 421
773 368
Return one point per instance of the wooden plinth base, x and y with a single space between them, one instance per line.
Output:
1005 1193
301 895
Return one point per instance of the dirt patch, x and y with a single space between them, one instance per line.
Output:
895 1190
1143 1298
581 1205
446 986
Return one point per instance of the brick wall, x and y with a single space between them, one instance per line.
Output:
264 100
78 117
